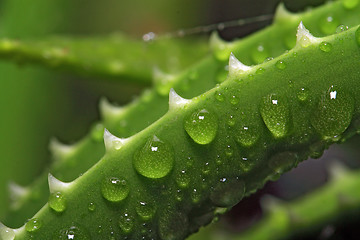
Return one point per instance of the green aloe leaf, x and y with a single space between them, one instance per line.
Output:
197 163
116 56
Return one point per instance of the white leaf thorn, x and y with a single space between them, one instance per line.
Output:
108 110
112 142
58 149
176 101
235 66
17 192
6 233
303 37
55 185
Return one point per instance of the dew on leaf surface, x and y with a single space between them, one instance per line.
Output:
72 233
280 64
33 225
57 202
155 159
145 210
183 179
126 222
201 126
325 46
341 28
115 189
91 207
303 94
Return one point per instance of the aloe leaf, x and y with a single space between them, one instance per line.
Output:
332 202
196 79
116 56
196 162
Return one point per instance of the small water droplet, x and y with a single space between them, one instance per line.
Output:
302 94
234 100
259 54
231 121
350 4
276 115
260 71
325 46
145 210
333 113
206 168
201 126
183 179
341 28
155 159
219 96
195 195
115 189
228 192
179 195
328 24
247 132
33 225
229 151
126 222
72 233
280 65
92 207
57 202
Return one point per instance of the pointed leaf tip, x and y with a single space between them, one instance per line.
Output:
58 149
283 14
176 101
235 66
6 233
112 142
337 170
109 110
303 37
16 193
55 185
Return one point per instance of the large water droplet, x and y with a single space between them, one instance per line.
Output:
145 210
328 24
201 126
341 28
173 226
126 222
276 115
350 4
33 225
333 113
228 192
183 179
115 189
57 202
155 159
325 46
71 233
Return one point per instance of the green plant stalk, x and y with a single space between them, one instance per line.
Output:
198 133
333 202
135 110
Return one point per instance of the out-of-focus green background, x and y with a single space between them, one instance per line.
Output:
36 103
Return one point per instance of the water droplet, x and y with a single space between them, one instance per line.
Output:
228 192
145 210
57 202
350 4
280 64
229 151
260 71
328 24
126 222
33 225
155 159
341 28
195 195
219 96
234 100
333 113
282 162
276 115
173 226
72 233
231 121
115 189
247 132
259 54
201 126
92 207
179 195
302 94
183 179
6 233
206 168
325 46
357 36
